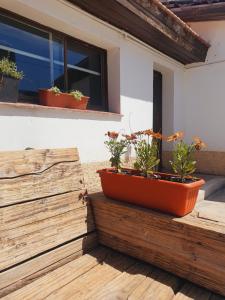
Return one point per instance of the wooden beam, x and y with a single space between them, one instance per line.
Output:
204 12
152 23
190 247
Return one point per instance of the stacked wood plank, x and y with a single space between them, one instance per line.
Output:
47 234
42 208
190 247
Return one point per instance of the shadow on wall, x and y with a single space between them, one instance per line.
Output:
60 114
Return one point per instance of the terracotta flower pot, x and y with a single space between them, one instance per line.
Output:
172 197
78 104
49 98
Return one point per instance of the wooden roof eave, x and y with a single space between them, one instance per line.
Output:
151 22
203 12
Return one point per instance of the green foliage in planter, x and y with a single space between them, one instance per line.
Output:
9 68
116 148
147 152
55 90
77 95
183 162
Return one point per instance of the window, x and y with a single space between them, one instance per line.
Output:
49 58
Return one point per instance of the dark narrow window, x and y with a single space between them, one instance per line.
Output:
50 59
157 105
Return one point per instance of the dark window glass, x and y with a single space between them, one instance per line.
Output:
84 72
22 37
41 55
58 62
29 48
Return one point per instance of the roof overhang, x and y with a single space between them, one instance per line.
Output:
203 12
151 22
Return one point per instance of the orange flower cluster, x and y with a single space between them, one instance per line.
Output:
151 133
199 144
130 137
176 136
112 134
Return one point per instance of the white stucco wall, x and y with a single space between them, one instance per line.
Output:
205 89
130 81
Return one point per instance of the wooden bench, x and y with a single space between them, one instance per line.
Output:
49 245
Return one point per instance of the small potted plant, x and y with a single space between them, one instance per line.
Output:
54 97
171 193
77 100
9 80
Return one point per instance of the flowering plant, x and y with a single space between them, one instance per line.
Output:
147 151
117 148
146 145
183 162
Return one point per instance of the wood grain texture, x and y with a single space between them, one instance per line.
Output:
106 274
31 174
18 163
34 227
189 247
140 281
27 272
58 179
74 278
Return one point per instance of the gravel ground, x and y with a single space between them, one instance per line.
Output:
91 178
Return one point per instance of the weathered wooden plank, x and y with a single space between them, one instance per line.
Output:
184 246
17 163
60 178
19 215
95 279
76 278
192 292
41 226
123 285
162 287
27 272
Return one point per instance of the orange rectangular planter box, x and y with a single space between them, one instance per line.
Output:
171 197
49 98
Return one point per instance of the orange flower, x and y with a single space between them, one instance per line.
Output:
130 137
148 132
174 137
112 134
157 136
199 144
139 133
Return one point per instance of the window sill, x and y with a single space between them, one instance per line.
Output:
36 107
